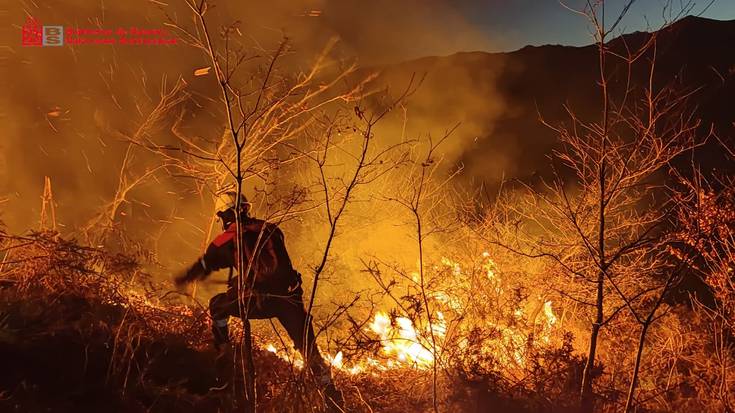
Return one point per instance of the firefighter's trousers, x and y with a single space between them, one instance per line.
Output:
288 308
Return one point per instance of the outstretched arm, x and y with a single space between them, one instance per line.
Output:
219 255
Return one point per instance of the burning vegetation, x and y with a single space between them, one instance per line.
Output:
128 345
605 285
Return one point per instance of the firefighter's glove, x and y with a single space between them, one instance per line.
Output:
197 271
181 280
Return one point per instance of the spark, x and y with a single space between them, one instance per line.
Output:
202 71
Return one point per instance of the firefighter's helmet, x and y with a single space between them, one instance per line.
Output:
228 200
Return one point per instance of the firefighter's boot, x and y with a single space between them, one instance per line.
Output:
220 333
334 399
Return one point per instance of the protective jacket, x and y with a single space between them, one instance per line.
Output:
265 255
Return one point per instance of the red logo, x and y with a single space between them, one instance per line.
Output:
32 32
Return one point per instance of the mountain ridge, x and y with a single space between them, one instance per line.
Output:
679 24
692 53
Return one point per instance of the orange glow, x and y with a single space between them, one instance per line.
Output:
404 344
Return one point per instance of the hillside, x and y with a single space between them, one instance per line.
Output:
693 53
425 297
82 330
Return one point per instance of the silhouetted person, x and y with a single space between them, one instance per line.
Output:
276 291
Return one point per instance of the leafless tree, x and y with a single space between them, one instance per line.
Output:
371 162
601 219
267 118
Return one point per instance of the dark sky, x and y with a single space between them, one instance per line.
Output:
515 23
413 28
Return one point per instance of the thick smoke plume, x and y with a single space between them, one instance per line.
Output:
74 108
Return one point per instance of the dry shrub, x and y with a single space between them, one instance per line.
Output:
83 330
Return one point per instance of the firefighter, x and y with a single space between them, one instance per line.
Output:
275 291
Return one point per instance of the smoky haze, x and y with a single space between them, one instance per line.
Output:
73 107
72 110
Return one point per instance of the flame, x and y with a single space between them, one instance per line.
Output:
406 343
549 313
401 340
336 361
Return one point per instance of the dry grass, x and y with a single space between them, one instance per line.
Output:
84 330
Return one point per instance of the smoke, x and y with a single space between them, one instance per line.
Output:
388 31
72 107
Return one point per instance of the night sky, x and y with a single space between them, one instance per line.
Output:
414 28
515 23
